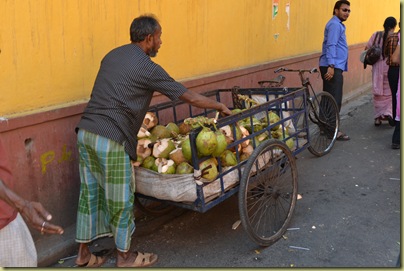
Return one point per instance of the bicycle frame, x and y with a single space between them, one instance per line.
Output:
305 81
307 84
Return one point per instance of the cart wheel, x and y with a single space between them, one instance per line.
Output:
152 207
268 192
323 123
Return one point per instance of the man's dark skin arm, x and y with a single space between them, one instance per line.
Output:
198 100
32 212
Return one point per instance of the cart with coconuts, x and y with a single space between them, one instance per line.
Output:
269 127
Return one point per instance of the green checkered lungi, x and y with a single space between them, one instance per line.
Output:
106 191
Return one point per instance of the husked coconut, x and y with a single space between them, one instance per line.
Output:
177 156
150 120
227 132
143 150
248 149
184 128
143 132
158 162
163 147
167 167
245 133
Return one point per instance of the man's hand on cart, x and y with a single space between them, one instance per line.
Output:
225 111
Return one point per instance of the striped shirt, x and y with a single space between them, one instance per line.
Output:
390 46
122 93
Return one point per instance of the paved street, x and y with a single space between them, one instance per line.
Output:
348 216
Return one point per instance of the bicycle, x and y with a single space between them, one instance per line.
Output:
323 112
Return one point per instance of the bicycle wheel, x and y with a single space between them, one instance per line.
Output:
323 123
268 192
152 207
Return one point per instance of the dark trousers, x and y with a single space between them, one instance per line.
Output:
333 86
393 74
396 133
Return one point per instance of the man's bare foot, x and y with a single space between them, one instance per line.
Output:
84 255
87 259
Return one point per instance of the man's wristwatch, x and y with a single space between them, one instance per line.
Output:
331 66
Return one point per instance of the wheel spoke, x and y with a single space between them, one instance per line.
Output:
268 192
323 123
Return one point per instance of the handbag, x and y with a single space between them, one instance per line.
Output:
373 54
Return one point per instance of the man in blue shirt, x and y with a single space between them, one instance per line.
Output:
334 56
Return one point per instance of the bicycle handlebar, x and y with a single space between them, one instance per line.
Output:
313 70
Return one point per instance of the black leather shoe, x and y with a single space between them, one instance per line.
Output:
391 121
395 146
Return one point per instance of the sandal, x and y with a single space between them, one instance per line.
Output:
343 137
95 261
391 121
143 260
378 122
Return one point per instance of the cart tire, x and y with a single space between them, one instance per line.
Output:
268 192
152 207
323 123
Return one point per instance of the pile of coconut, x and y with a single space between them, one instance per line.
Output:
167 149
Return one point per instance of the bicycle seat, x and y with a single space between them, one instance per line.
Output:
276 82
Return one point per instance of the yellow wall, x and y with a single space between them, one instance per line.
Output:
50 50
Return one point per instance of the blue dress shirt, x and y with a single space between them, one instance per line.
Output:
335 47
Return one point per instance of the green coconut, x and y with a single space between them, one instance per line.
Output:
184 168
206 142
236 111
209 169
260 138
173 128
186 149
256 124
228 159
273 118
155 166
221 144
148 162
278 133
160 131
290 143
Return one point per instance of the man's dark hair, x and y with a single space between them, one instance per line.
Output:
338 4
143 26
